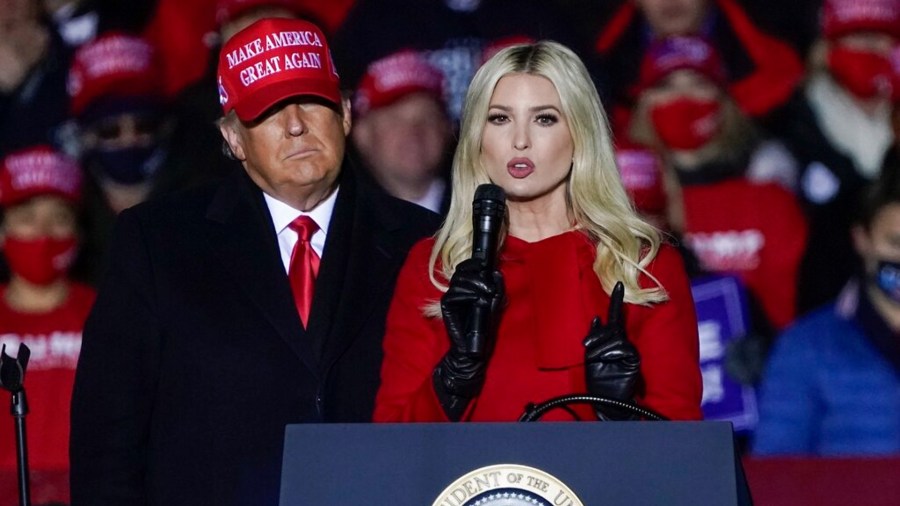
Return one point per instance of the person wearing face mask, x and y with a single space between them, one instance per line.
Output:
761 70
831 384
733 225
586 295
123 132
41 307
838 127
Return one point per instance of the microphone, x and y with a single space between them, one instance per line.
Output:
488 210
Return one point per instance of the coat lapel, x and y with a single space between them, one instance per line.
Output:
353 282
243 239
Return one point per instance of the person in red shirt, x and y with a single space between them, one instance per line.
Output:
41 307
572 248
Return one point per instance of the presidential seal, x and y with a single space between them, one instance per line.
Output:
507 485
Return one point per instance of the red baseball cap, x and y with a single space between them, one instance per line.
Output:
394 77
113 65
38 170
669 54
840 17
274 59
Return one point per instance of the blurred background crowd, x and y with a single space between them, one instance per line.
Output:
761 135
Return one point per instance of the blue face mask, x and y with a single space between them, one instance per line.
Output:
887 278
127 166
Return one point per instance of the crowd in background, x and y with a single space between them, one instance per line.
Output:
761 136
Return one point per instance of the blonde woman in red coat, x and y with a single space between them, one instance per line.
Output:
533 124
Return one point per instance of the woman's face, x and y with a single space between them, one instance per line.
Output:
526 146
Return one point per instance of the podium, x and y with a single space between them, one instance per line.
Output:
475 464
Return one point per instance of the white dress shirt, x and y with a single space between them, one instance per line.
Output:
283 215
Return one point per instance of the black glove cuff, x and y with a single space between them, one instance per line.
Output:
461 375
454 406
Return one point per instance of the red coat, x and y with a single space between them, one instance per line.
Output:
553 294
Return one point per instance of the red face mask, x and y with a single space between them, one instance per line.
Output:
862 73
40 261
686 123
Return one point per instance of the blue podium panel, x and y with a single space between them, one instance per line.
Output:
468 464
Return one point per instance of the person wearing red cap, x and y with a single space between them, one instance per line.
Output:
195 139
115 97
760 70
233 309
40 306
839 128
402 131
732 224
123 127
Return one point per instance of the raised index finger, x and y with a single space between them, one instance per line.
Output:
615 305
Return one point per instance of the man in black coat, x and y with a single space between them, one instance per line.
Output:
195 355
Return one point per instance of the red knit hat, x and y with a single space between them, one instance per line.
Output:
274 59
667 55
840 17
394 77
113 65
38 170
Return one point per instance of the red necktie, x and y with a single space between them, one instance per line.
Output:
304 266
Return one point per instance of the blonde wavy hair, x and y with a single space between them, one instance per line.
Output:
626 244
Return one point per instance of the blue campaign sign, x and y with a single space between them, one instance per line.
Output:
722 318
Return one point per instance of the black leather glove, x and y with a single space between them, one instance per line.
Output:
460 374
611 363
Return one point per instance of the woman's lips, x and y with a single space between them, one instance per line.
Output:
520 167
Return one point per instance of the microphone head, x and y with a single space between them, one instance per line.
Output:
488 191
490 200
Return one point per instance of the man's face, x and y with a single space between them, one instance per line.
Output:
406 140
294 150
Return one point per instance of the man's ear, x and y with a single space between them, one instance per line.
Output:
347 119
234 139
